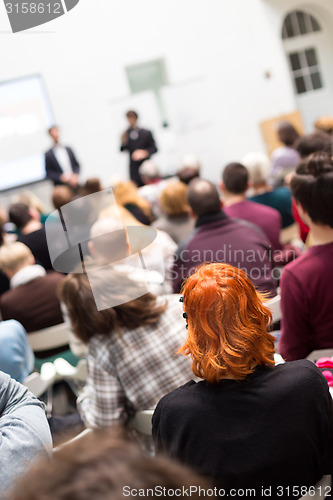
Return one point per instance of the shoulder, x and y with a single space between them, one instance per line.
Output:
302 373
176 398
11 328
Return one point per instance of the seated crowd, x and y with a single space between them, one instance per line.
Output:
161 286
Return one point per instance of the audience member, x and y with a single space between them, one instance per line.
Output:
91 186
312 143
258 166
325 124
176 220
106 465
153 185
32 232
127 196
16 356
140 144
132 342
24 431
285 158
61 195
218 238
31 199
4 281
306 300
249 425
153 246
235 183
61 165
190 169
32 298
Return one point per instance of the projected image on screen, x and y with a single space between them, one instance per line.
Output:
25 115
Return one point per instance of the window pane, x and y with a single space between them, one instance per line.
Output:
316 81
300 85
294 61
315 25
289 27
301 23
311 57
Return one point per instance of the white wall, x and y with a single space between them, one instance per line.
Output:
223 48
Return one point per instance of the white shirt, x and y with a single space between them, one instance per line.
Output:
63 159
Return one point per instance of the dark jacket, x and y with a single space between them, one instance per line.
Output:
53 169
138 139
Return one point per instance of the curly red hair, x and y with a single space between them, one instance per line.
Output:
227 324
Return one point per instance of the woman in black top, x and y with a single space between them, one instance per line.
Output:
249 425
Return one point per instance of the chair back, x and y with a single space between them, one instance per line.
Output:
49 338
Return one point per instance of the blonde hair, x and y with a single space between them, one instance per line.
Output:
31 199
258 165
173 199
127 193
14 256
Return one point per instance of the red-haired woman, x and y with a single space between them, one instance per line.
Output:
249 423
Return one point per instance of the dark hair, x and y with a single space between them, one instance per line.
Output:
187 174
313 143
109 287
98 466
287 133
132 114
235 178
92 185
19 214
203 197
312 187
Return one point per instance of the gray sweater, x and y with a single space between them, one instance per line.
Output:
24 431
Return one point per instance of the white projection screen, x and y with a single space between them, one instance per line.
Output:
25 116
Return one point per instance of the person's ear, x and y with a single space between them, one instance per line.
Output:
303 213
249 185
192 214
222 186
31 260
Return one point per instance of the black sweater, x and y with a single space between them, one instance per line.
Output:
272 430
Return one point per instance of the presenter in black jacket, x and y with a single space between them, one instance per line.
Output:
61 165
140 144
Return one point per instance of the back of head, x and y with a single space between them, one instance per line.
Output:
312 187
258 165
31 199
15 256
19 214
109 239
287 133
190 169
227 324
61 195
173 199
91 186
102 301
105 465
325 124
312 143
235 178
203 197
149 170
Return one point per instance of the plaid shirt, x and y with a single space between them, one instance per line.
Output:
130 370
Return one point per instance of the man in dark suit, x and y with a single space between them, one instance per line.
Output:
140 144
61 165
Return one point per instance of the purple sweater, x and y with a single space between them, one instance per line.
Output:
267 218
218 238
307 303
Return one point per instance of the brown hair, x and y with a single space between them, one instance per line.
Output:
227 324
110 287
104 465
173 199
61 195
